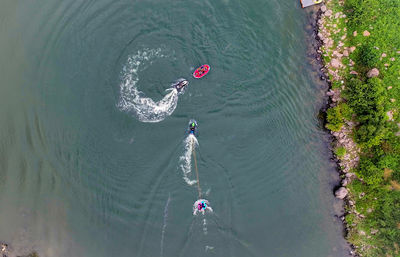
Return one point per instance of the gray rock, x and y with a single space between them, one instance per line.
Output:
328 13
374 231
373 73
366 33
330 93
323 8
341 193
390 115
335 63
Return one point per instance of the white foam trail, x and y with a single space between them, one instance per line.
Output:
164 225
133 101
205 231
186 159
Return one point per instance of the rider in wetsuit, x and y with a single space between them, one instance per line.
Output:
192 128
181 85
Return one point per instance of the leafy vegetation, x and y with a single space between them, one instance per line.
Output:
337 115
373 27
340 151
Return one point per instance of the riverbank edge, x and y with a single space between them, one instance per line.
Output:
330 52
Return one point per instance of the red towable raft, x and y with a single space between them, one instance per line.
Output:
201 71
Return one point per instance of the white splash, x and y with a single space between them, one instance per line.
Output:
133 101
186 159
205 231
209 248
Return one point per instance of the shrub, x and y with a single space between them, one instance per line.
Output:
340 151
368 171
334 118
367 55
346 111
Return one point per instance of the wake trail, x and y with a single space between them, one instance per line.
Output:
164 225
133 101
186 159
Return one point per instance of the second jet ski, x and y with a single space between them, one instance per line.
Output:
180 85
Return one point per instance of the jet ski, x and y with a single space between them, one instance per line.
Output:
180 85
193 127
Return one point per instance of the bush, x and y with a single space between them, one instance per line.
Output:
368 171
340 151
367 55
367 101
346 111
334 119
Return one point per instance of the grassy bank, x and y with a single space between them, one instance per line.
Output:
364 67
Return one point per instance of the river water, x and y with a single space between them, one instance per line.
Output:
92 144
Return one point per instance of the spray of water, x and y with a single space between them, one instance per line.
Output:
133 101
186 159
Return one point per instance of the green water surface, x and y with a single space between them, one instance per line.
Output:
81 177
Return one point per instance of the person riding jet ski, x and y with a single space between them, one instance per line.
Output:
180 85
193 127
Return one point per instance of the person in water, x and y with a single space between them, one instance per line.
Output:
201 206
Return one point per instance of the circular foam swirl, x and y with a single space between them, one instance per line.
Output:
133 101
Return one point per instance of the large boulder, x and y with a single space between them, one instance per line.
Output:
341 193
328 13
335 63
373 73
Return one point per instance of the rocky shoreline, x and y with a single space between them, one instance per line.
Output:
330 54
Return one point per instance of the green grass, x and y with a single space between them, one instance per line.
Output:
366 101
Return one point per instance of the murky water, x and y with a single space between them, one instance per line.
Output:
91 140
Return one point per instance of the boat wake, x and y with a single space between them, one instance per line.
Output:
133 101
164 225
186 159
